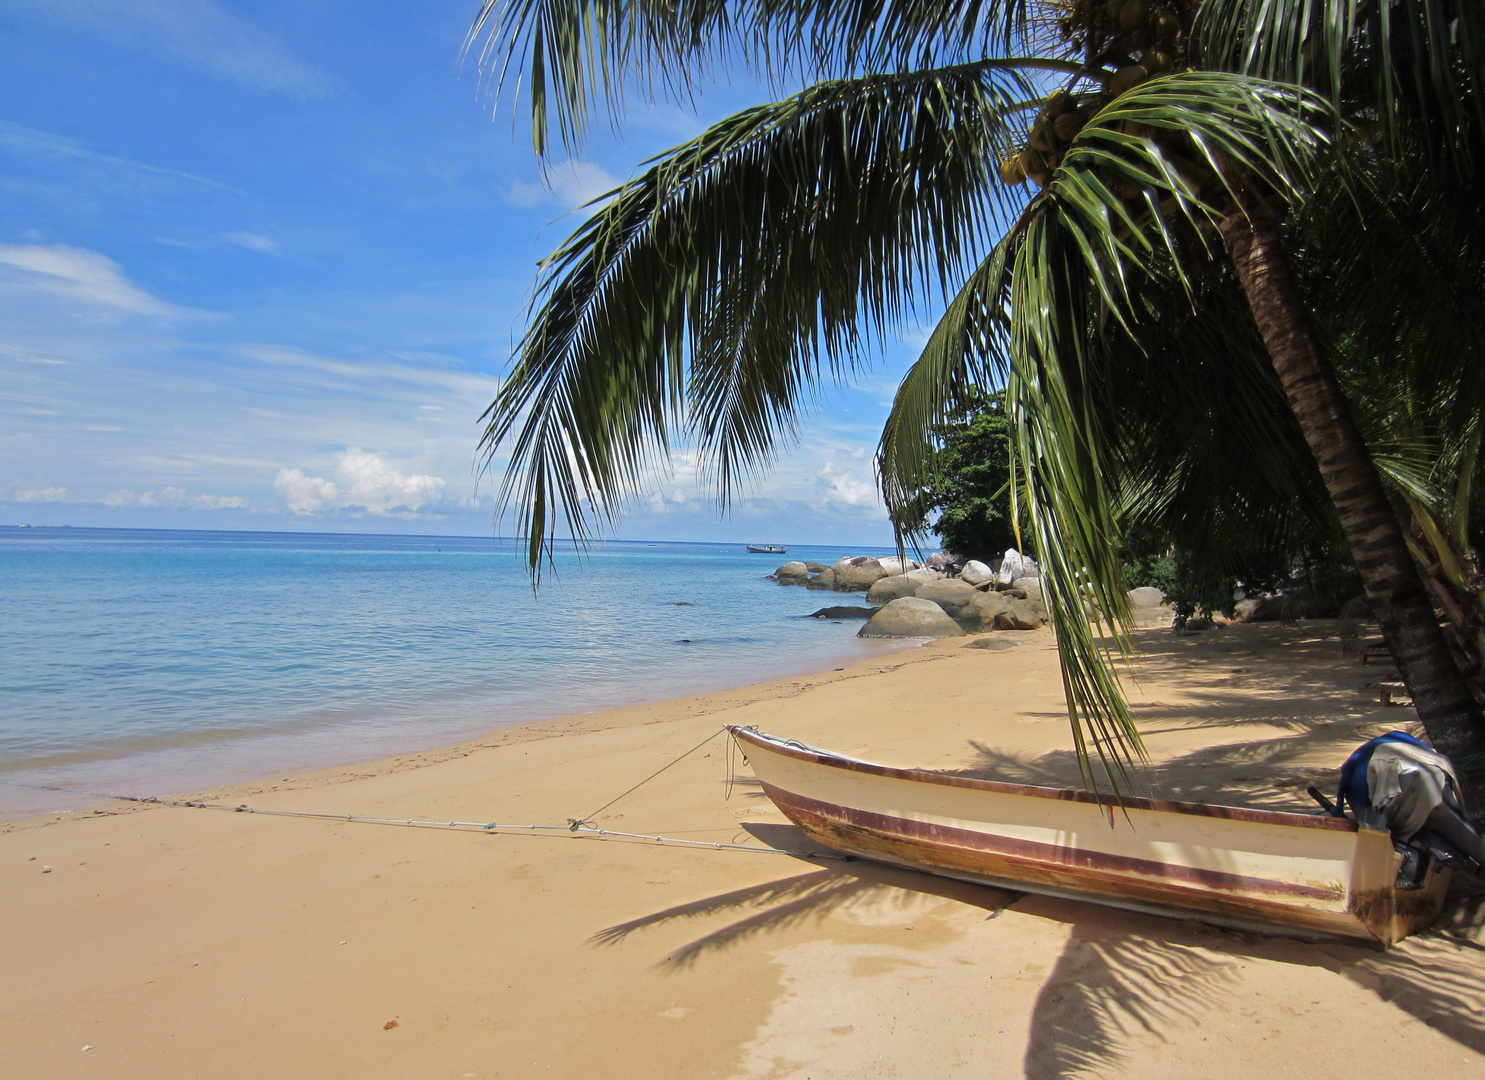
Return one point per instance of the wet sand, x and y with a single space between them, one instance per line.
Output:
175 942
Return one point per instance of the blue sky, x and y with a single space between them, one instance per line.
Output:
261 264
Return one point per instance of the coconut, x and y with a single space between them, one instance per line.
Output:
1132 14
1156 61
1060 102
1067 125
1011 172
1041 135
1166 26
1127 78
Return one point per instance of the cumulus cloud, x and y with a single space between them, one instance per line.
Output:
50 494
77 274
173 497
570 185
364 482
842 485
201 32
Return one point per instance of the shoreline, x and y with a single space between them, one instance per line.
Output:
392 733
176 941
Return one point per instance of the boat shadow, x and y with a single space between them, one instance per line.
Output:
1122 979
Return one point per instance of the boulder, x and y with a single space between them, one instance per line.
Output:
1017 616
816 567
1012 566
858 574
976 573
792 573
1146 597
895 566
950 594
909 617
844 613
825 579
885 590
1029 587
980 611
941 561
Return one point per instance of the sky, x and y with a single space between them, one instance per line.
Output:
262 264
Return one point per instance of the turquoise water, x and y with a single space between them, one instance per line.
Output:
150 662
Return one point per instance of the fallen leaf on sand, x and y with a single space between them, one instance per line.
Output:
389 1025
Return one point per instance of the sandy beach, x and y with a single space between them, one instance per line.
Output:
176 942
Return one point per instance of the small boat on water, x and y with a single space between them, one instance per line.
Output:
1301 875
767 549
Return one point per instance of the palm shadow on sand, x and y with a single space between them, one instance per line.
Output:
1121 979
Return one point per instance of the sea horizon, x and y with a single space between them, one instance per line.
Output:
146 662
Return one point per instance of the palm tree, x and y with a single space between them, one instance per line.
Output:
718 290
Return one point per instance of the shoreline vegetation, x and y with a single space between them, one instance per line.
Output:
184 940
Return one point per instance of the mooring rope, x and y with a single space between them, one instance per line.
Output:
576 828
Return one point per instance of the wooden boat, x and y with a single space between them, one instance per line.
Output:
767 549
1300 875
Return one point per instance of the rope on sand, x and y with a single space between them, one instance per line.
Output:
577 828
586 832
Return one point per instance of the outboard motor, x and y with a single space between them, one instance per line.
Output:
1398 784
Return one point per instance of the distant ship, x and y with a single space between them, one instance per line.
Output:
767 549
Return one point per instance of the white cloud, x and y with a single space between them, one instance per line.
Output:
200 32
570 185
77 274
173 496
362 481
252 241
29 141
51 494
841 485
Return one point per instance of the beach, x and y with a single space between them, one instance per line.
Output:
184 942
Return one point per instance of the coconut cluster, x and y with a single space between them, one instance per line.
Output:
1126 42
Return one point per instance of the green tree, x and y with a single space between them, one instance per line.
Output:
967 498
717 291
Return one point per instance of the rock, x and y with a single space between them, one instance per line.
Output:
816 567
910 617
895 566
844 613
993 643
885 590
950 594
1029 587
980 611
941 561
857 574
1146 596
976 573
1012 566
792 573
1017 616
825 579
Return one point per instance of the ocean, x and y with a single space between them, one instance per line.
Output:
149 662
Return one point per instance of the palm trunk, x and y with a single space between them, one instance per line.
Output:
1449 711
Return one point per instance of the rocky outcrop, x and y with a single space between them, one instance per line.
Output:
941 561
1030 588
976 573
825 579
816 567
887 589
951 594
844 613
1018 615
792 573
1015 565
910 617
1146 596
895 566
1000 611
860 573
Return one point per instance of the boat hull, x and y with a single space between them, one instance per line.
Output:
1295 874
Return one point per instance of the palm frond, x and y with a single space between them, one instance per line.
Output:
574 54
715 293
